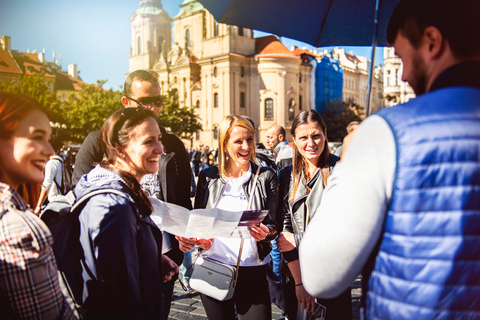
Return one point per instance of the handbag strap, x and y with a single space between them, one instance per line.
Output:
249 207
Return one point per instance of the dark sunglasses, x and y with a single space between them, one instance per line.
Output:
157 101
127 113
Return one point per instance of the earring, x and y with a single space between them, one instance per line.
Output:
123 156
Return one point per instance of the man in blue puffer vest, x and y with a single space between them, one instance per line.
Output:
403 206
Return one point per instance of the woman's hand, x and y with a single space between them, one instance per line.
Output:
307 301
286 242
169 268
258 232
205 243
186 244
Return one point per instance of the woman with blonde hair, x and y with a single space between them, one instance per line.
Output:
29 283
229 186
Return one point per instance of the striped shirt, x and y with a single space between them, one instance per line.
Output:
28 272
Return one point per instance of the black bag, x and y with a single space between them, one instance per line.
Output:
65 185
61 217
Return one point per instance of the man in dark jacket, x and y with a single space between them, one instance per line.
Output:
141 89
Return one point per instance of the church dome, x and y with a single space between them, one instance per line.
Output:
150 7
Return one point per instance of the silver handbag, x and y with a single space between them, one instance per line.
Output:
216 279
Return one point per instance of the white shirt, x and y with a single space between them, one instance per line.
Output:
53 172
226 250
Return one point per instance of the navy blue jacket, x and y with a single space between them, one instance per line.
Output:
122 249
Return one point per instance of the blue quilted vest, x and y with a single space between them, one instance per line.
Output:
428 264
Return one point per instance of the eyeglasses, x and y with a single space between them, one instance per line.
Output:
127 113
157 101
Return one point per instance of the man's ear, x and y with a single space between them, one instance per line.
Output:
435 42
125 101
281 137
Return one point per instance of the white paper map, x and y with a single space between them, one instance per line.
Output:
203 223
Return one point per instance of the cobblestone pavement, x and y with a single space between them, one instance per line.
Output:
188 305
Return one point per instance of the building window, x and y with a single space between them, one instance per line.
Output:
215 72
396 77
139 45
160 44
299 102
215 133
242 71
197 135
187 38
388 78
197 105
242 99
215 29
291 110
268 109
299 78
215 100
240 31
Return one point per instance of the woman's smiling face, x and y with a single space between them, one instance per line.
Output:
240 146
24 155
143 150
310 141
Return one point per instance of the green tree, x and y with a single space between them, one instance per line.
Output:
338 115
182 121
36 87
87 112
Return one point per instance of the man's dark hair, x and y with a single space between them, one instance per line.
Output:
457 21
282 131
138 75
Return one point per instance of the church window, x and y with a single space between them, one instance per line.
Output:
160 44
216 29
291 110
300 102
197 135
396 77
299 78
139 45
215 133
215 72
242 71
215 100
269 109
187 38
242 99
197 105
240 31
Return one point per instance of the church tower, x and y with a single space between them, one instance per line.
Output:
151 35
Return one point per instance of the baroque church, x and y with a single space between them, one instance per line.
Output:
220 69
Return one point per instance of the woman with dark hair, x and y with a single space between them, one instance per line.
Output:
229 186
123 265
29 287
301 187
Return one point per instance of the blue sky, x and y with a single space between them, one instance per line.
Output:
94 34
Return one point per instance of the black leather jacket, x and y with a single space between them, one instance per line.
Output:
211 185
295 212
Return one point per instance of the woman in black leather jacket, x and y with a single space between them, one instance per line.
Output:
301 188
229 186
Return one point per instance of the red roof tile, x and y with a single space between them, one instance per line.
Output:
7 64
271 46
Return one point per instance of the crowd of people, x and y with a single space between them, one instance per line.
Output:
401 206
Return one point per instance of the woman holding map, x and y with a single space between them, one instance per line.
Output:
229 186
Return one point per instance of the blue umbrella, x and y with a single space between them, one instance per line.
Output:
317 22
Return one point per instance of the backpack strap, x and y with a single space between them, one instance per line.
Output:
79 206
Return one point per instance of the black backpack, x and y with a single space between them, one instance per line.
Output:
65 185
61 217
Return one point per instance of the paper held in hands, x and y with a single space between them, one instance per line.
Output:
204 223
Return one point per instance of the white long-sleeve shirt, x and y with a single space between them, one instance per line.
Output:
349 220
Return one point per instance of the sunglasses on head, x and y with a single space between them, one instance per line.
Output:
157 101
